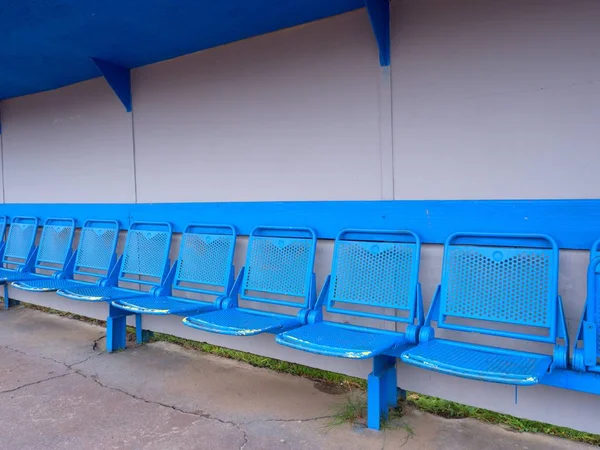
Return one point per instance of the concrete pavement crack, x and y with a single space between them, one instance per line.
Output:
36 382
310 419
69 366
199 413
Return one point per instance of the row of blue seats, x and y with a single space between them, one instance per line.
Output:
493 284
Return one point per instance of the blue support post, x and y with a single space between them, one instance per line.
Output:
116 329
379 14
381 392
392 383
6 300
119 79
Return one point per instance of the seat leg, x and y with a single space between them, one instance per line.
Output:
375 386
6 300
402 394
392 385
381 390
116 330
141 335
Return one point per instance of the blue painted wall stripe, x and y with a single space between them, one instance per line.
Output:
574 224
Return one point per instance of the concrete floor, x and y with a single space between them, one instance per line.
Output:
60 390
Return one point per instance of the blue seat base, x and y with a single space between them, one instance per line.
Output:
98 293
7 276
47 284
333 339
164 305
241 322
479 362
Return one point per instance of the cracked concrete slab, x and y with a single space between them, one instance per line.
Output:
235 391
60 390
18 369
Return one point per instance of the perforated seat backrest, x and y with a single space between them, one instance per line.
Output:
3 222
501 279
55 244
97 247
375 268
20 240
146 252
593 304
205 263
279 264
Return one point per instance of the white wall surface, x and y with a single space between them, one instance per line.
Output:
496 99
490 100
286 116
68 145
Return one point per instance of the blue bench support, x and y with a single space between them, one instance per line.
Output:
94 258
145 263
51 257
278 271
500 285
204 266
587 346
373 269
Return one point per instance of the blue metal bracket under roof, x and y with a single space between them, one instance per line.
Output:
379 14
50 44
119 79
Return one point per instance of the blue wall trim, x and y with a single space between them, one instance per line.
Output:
575 224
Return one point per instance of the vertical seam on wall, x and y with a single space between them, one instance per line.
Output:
135 195
393 168
2 154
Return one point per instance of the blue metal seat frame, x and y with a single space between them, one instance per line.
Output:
586 354
52 255
205 266
94 258
373 269
145 262
3 223
278 271
503 285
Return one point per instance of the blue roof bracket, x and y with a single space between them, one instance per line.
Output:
119 79
379 14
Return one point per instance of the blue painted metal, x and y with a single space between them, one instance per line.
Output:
20 241
51 257
50 44
95 258
145 262
278 271
490 281
18 252
204 266
373 269
573 223
379 14
118 78
586 354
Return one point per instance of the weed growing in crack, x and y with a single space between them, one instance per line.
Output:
353 411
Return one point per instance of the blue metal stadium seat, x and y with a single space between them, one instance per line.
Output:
145 262
500 285
19 250
205 266
374 270
95 258
278 271
586 356
51 257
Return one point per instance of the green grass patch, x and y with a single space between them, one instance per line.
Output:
453 410
354 409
